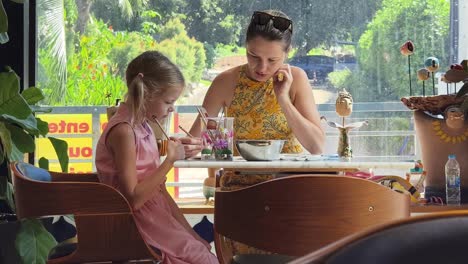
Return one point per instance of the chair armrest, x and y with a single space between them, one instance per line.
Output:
35 198
73 177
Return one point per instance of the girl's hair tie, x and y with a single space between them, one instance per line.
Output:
140 75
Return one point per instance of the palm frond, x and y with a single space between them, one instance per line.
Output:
52 18
126 9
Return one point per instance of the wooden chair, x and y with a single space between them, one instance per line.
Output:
294 215
429 239
105 226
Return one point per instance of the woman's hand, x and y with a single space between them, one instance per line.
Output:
282 81
192 146
175 150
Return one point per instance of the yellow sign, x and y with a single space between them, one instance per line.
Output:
102 122
68 123
78 148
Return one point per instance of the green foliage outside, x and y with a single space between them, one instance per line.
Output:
339 79
383 72
320 51
224 50
96 68
184 51
219 26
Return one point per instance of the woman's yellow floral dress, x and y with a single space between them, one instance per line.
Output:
257 115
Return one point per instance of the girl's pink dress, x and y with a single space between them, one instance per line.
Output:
154 219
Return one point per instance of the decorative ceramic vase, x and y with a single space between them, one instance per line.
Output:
209 188
437 140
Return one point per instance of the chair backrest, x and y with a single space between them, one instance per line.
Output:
295 214
106 229
432 238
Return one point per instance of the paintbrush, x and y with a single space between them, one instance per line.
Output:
186 132
155 119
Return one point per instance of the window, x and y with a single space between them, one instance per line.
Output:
340 44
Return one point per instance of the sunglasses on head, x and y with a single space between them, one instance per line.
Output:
280 23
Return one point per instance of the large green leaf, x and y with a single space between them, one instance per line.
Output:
16 154
61 148
33 242
3 187
43 163
3 25
5 138
2 155
9 196
6 192
42 126
22 140
32 95
11 101
29 123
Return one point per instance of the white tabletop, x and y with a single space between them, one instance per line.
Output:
301 162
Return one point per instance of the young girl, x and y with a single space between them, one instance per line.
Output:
127 158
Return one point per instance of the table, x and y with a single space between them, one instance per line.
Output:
292 165
360 163
289 164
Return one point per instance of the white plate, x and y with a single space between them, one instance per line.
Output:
302 157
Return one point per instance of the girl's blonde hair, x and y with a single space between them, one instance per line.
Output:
148 75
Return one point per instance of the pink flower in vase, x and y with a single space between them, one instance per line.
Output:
230 134
221 144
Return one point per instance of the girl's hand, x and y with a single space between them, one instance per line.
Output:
175 150
192 146
282 81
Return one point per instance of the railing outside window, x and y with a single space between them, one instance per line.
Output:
390 133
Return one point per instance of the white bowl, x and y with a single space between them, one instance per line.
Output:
260 149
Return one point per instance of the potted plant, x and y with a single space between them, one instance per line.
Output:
27 240
464 92
18 128
442 129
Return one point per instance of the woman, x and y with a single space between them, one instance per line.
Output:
268 98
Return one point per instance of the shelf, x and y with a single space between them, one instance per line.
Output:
195 206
